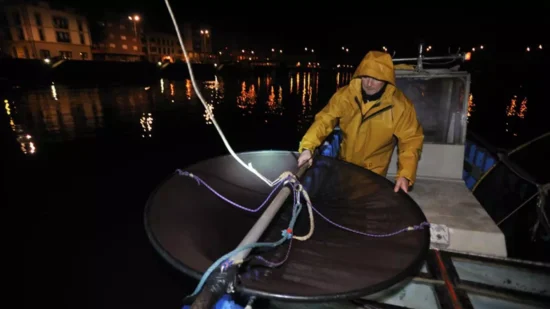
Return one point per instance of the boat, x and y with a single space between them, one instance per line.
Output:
467 264
459 178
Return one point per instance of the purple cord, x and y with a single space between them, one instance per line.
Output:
199 181
415 227
276 264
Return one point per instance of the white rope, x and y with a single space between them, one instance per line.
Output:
209 112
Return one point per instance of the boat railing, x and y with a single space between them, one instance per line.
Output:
421 58
502 156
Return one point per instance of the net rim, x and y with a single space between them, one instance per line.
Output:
407 272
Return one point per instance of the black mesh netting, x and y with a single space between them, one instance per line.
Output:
502 192
192 227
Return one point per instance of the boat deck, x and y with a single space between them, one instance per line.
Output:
459 221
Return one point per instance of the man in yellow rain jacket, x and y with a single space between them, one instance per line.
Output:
371 111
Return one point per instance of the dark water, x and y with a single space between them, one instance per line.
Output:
80 162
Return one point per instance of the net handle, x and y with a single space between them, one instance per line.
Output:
265 219
205 299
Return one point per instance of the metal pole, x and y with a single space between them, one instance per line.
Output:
419 62
430 58
263 222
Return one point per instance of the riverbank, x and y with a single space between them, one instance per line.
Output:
33 71
36 71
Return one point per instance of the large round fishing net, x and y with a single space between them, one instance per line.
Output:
191 224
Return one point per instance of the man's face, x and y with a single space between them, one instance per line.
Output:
371 85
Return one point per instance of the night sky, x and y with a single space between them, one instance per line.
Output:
259 25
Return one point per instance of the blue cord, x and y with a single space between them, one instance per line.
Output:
228 255
286 235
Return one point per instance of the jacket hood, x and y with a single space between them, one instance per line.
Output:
378 65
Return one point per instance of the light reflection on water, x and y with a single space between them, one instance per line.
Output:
65 113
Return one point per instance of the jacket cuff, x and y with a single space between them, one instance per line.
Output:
306 146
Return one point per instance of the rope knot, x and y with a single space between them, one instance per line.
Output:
287 233
225 265
418 227
185 173
182 173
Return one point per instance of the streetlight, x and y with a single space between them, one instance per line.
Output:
205 36
134 19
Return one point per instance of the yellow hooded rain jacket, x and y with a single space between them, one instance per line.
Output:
369 128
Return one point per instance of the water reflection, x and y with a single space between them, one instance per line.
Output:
23 137
146 122
215 93
66 111
512 109
342 79
286 102
26 142
515 114
54 91
471 105
274 102
247 98
188 89
60 112
309 96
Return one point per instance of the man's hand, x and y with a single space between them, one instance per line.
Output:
401 183
304 157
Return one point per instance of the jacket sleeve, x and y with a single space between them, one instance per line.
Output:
323 124
410 139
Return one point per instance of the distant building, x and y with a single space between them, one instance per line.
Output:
118 38
199 36
165 47
37 31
